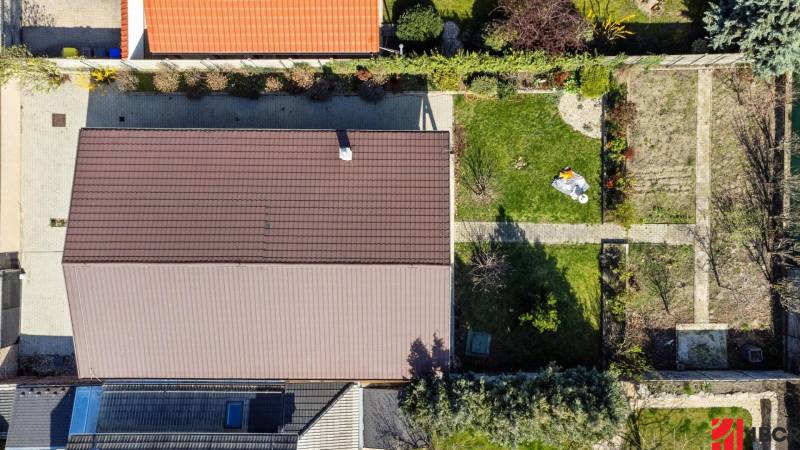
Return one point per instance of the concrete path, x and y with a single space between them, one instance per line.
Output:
559 233
702 193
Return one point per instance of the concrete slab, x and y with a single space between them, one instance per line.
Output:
702 345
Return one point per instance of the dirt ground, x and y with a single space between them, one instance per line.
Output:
648 322
664 142
742 300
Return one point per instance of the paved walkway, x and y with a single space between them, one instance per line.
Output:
559 233
702 194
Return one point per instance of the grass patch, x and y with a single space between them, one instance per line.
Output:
684 428
464 12
571 271
527 127
670 30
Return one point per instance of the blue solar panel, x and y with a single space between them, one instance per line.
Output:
233 414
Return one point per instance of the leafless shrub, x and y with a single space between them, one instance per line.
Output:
273 83
489 265
193 78
301 77
167 79
217 81
127 81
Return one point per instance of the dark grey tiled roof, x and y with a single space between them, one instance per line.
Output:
41 416
183 442
384 424
309 401
199 407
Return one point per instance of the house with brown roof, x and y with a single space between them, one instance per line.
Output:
259 254
237 28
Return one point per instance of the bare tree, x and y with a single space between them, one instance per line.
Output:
489 263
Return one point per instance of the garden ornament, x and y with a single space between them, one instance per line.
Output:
571 183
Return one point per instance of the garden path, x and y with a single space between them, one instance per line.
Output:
566 233
702 193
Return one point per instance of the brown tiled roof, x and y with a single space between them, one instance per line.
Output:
259 196
262 26
123 29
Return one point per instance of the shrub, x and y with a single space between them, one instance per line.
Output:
554 26
419 24
630 362
572 408
273 83
217 81
193 82
245 83
38 74
595 80
371 91
167 79
127 81
322 89
497 36
301 77
103 75
363 74
446 80
543 313
484 86
506 88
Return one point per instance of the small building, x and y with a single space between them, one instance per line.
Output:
259 254
250 28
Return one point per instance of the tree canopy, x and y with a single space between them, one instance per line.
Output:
767 31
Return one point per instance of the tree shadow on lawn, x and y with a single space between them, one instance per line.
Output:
516 346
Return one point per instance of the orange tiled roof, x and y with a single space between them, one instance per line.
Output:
262 26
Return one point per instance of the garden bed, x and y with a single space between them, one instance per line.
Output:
681 428
663 140
569 272
742 297
526 142
648 290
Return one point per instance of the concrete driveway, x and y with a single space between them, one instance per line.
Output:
48 158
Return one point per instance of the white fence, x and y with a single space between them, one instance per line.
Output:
149 65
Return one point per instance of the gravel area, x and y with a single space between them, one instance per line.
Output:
583 115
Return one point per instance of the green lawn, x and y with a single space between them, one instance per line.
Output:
527 127
687 428
571 272
670 30
463 11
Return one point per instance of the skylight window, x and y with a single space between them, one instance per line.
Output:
233 414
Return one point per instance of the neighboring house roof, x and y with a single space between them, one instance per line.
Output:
41 417
260 196
164 414
262 26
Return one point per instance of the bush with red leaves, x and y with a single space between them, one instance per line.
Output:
554 26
